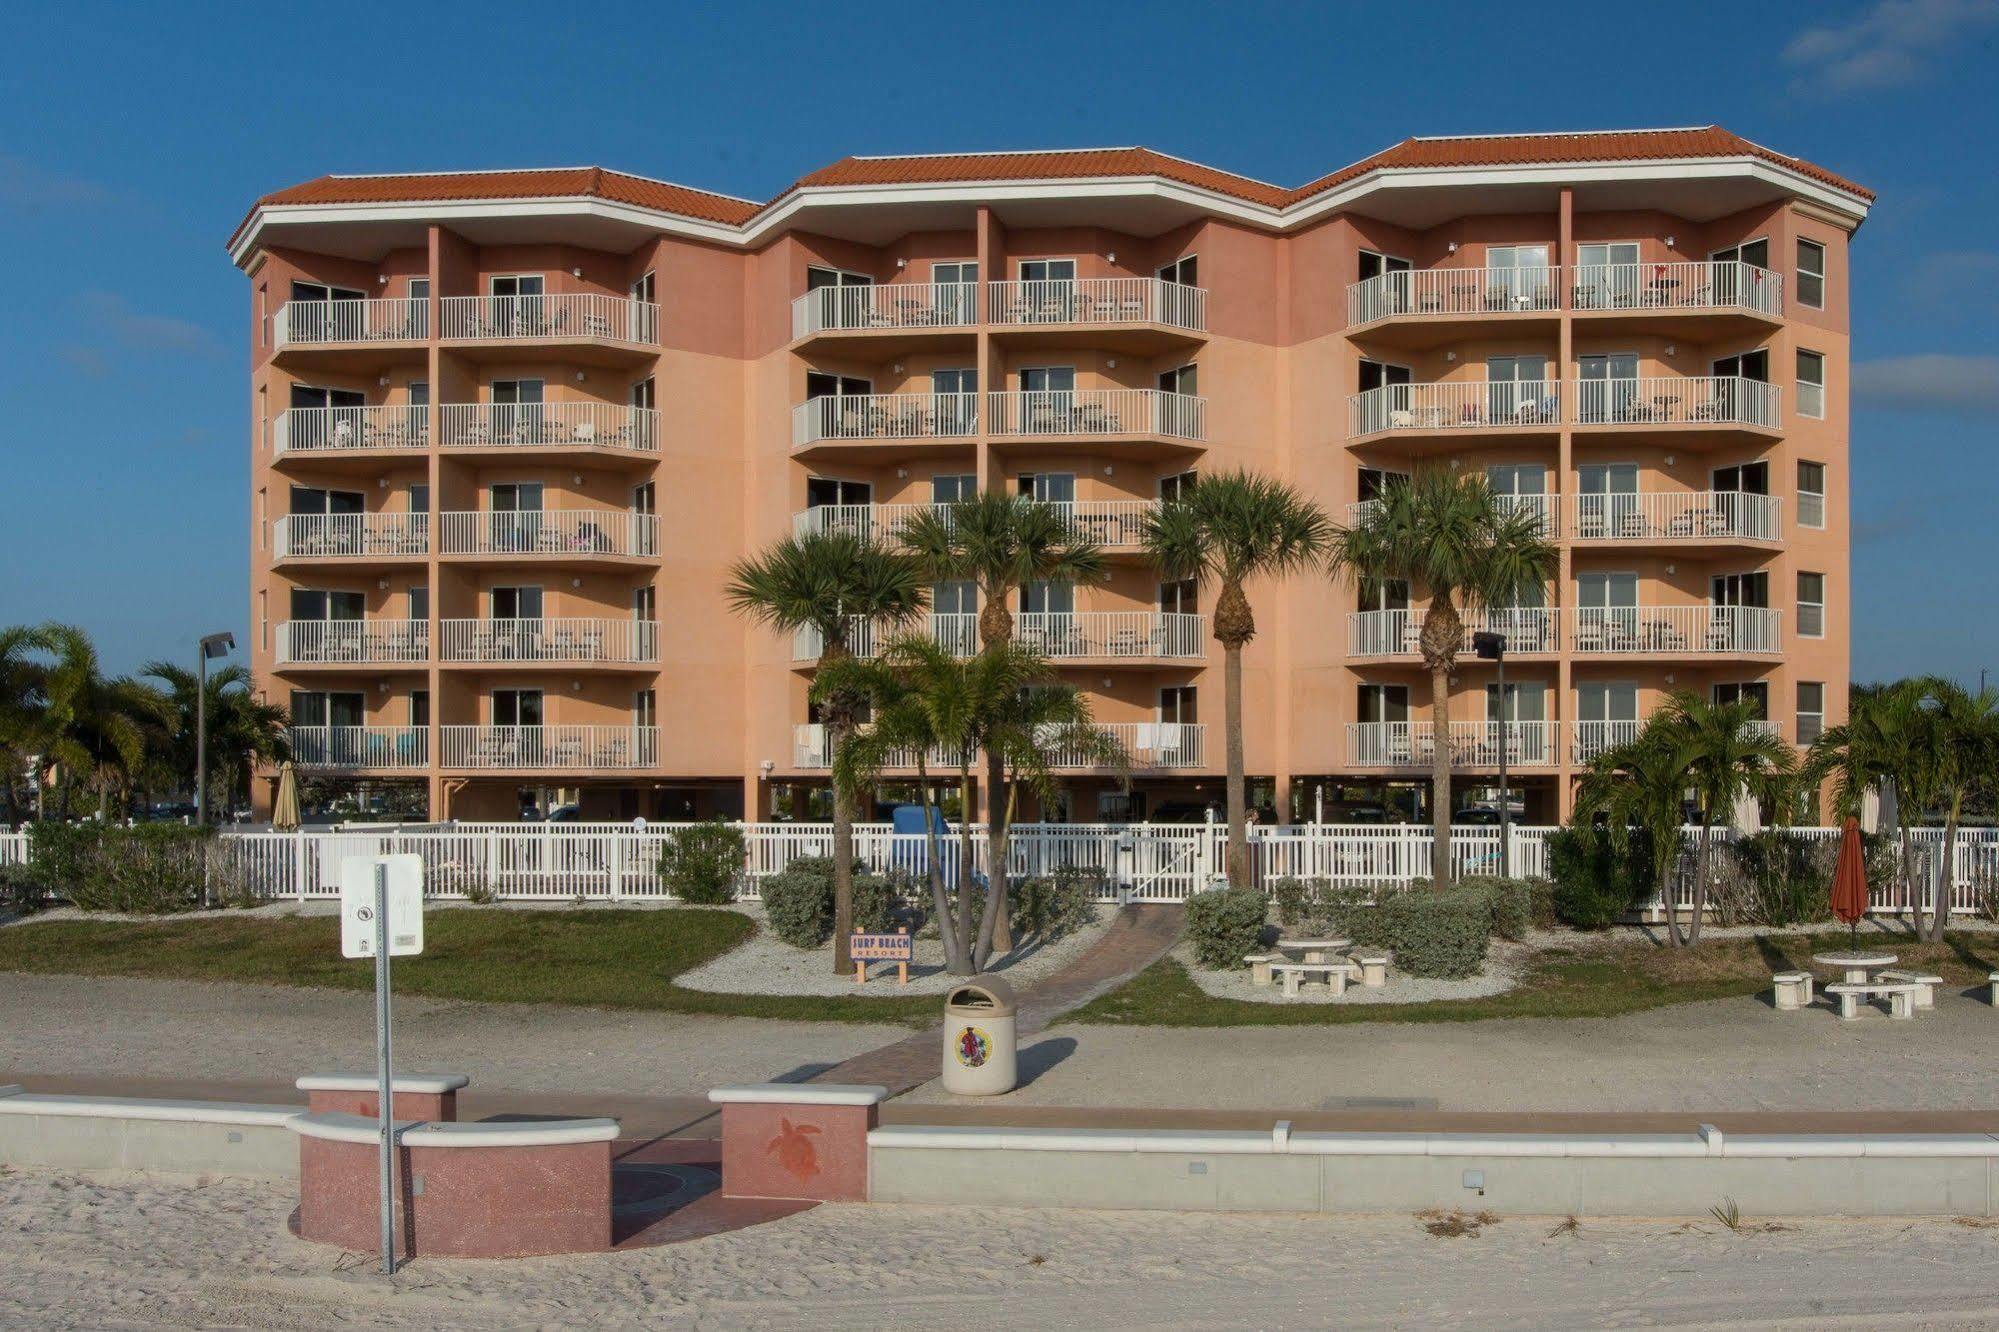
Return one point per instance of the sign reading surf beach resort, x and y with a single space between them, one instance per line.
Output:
898 948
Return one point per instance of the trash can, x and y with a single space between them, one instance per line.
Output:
979 1016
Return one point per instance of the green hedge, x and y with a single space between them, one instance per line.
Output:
699 864
798 902
1594 883
1055 905
151 869
1441 934
1224 924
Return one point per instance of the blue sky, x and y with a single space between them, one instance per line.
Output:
132 139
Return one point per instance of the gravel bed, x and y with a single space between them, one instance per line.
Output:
767 965
1503 964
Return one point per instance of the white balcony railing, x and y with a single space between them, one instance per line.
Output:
1540 506
578 315
1587 739
872 416
352 642
1112 524
1453 291
1473 744
1671 630
549 532
564 639
1098 301
1454 404
565 748
1112 634
1399 633
1676 400
300 536
389 319
324 429
1098 412
886 305
551 425
1678 515
360 746
955 632
1148 745
1686 285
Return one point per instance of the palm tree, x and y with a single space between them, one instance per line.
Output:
1000 544
1964 749
827 583
23 706
1885 743
1723 754
243 730
1639 784
1228 529
95 727
1453 536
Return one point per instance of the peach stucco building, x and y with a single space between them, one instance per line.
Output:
510 429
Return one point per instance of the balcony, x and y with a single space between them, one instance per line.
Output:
377 747
1399 633
1151 745
564 641
1587 739
1115 525
956 633
874 418
1139 315
352 334
886 317
361 537
1097 636
1098 414
550 536
1451 406
1473 744
352 643
1541 506
521 429
331 433
1426 307
608 329
1654 293
1665 631
1676 402
551 748
1716 516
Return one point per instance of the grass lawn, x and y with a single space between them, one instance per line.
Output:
605 959
1594 981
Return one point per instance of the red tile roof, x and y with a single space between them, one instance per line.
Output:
1709 141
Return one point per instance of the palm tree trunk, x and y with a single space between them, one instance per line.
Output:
1237 860
940 901
1699 911
1946 873
996 936
1664 862
963 964
1904 872
843 859
1440 776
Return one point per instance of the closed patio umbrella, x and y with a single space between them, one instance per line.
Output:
1849 878
284 809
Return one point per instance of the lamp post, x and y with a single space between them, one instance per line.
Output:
1492 647
213 646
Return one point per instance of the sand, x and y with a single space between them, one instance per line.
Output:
131 1251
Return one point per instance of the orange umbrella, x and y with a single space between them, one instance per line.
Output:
1849 877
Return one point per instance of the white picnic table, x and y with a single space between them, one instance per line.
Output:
1313 950
1854 966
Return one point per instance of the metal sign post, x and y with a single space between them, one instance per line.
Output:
381 916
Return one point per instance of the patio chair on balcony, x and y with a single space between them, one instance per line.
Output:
1720 634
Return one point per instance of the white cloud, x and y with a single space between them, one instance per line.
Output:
1887 46
1931 383
110 313
26 187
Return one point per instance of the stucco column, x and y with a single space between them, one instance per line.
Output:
1565 486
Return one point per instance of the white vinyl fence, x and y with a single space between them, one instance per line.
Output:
1140 862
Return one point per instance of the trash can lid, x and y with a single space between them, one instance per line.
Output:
983 995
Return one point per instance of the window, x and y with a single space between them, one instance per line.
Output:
264 314
956 291
1176 486
821 491
645 708
1606 715
1048 270
1177 705
1811 274
1517 278
1047 598
1811 710
419 707
954 598
1811 605
1181 597
1184 270
1378 594
1374 482
1376 374
1181 380
643 290
1755 693
1741 589
1048 487
419 604
516 603
951 487
645 603
817 277
517 707
1608 390
1811 385
1382 703
1373 265
1811 494
820 384
1744 478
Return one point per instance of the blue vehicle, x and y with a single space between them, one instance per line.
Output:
911 855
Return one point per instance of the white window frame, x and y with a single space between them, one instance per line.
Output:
1802 712
1818 605
1819 495
1802 272
1174 267
1808 402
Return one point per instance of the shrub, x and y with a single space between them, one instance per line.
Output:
799 907
153 869
21 889
1510 901
1295 898
1773 878
876 898
1593 884
1224 924
1438 933
1056 904
699 864
58 851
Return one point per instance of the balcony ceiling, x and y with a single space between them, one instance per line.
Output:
1423 201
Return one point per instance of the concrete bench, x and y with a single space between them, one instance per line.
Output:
1901 998
426 1096
1993 981
1373 969
1926 991
1259 966
137 1133
1293 974
1791 989
1313 950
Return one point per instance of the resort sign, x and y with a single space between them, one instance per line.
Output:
898 948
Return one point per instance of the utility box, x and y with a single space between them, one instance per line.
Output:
979 1037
